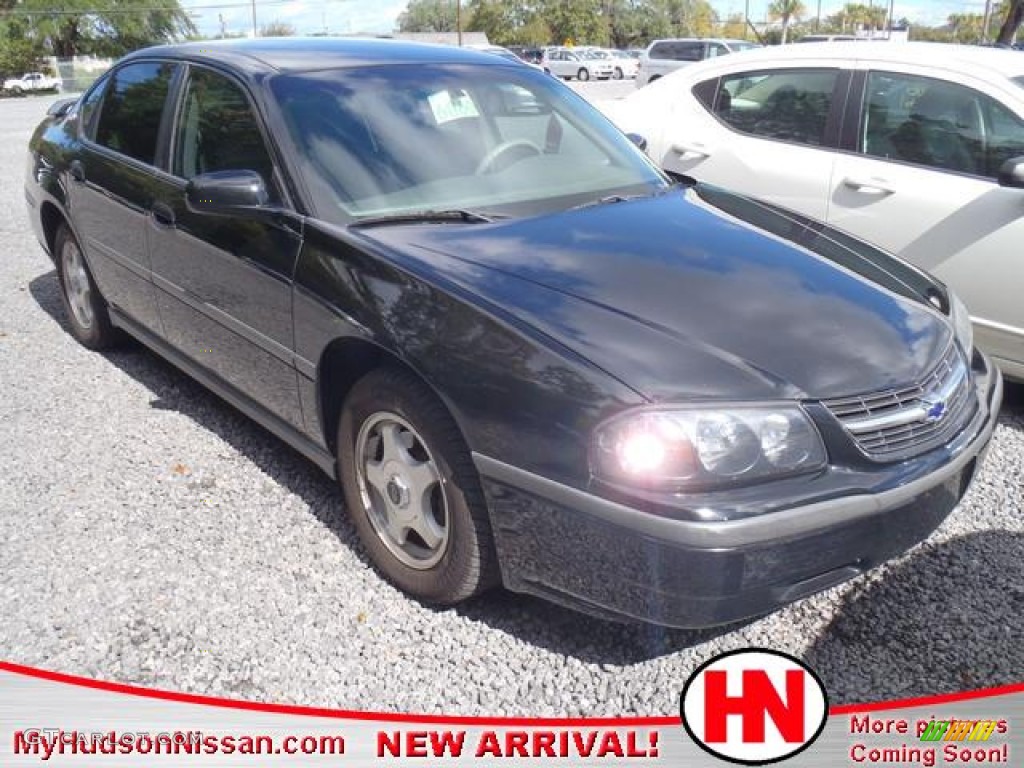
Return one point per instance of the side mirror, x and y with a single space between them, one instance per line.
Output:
61 107
1011 173
226 192
639 140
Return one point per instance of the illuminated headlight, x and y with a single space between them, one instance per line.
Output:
961 324
702 448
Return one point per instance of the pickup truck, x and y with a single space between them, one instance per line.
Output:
32 82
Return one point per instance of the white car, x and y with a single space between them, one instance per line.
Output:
623 65
32 82
915 147
581 64
504 53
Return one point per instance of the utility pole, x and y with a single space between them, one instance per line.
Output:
986 21
458 20
817 19
746 18
254 32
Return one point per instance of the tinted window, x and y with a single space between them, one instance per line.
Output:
678 50
218 130
130 118
87 110
939 124
790 105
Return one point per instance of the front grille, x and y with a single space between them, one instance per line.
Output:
902 422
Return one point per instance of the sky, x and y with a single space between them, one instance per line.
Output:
379 16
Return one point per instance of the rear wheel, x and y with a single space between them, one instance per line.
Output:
583 74
85 307
412 490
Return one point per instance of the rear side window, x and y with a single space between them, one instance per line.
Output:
129 120
788 105
939 124
678 50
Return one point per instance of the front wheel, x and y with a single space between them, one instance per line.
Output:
583 74
617 74
412 490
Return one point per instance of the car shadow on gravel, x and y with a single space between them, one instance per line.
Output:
969 606
174 390
539 622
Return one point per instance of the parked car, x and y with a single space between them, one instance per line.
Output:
31 82
828 38
569 63
506 54
528 356
623 66
917 147
665 56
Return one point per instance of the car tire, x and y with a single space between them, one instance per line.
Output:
617 74
412 491
16 90
86 310
583 75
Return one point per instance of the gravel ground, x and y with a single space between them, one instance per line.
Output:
150 534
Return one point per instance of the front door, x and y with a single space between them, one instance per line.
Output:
224 283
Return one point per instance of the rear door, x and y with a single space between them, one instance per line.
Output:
919 179
224 283
114 180
771 133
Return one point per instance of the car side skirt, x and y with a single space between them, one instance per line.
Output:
278 427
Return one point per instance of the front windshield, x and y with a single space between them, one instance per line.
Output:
496 140
1019 80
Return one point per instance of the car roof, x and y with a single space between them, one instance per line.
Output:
296 54
968 58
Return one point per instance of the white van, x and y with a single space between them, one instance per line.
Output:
664 56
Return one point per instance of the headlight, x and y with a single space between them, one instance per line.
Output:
961 323
700 448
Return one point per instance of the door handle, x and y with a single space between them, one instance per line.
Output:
163 215
693 151
869 186
77 170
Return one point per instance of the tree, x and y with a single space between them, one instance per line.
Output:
1014 18
277 28
786 11
428 16
578 21
101 27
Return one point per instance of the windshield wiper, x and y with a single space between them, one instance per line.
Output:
609 199
455 214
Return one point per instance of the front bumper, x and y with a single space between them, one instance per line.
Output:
614 560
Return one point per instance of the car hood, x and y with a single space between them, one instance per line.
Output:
679 301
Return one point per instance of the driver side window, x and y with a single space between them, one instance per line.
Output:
217 130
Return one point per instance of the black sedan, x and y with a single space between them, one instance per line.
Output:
529 357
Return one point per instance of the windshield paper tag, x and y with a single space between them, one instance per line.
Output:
448 106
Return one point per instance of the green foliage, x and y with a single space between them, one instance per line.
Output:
428 16
621 23
1011 22
18 56
100 27
786 11
277 28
